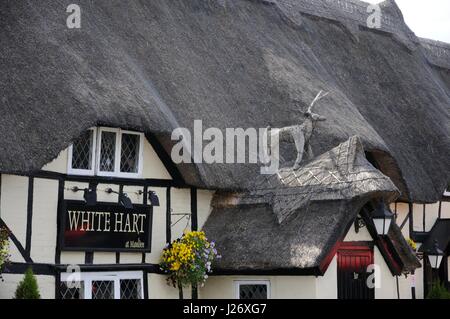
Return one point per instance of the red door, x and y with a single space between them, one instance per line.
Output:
354 259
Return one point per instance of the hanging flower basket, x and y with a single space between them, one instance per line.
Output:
4 249
188 260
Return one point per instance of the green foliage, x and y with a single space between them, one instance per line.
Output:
4 248
28 287
438 291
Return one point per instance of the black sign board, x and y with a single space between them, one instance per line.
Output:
105 227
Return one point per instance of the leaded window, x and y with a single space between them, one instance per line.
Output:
130 289
129 158
71 291
107 151
110 152
82 151
102 285
102 289
253 290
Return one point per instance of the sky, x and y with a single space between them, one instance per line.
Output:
426 18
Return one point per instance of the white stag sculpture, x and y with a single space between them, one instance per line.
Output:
300 133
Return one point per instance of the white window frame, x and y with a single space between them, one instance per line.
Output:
140 155
88 277
239 283
96 148
77 171
118 151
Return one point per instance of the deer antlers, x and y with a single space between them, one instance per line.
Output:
316 99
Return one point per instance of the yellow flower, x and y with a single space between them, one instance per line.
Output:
412 243
175 266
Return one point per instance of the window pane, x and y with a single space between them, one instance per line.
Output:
75 292
129 158
130 289
108 151
253 292
82 151
102 289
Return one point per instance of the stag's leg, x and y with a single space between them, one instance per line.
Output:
310 152
299 140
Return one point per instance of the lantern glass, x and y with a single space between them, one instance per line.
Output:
435 261
382 225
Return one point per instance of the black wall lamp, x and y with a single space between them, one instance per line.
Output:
435 255
124 200
152 197
382 218
359 223
90 195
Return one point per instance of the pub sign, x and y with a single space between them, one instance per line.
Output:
105 227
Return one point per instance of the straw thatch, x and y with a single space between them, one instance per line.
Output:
293 220
251 239
342 173
157 65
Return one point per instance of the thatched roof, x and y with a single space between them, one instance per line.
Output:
252 241
292 222
156 65
250 237
342 173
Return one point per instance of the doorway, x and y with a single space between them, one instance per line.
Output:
353 260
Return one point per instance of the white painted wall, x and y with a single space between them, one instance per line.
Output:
72 257
419 282
402 213
153 167
326 285
13 209
204 198
431 214
45 208
158 228
181 203
281 287
59 164
388 287
159 289
417 217
445 210
46 285
362 235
